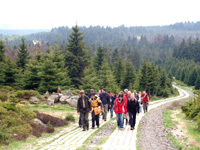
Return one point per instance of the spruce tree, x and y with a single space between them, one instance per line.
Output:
106 78
2 51
143 77
76 57
23 55
128 76
197 83
99 58
118 70
90 79
192 77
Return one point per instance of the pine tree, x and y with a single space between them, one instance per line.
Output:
143 77
129 76
134 56
49 75
2 51
197 83
118 70
76 57
183 75
99 58
23 55
90 79
192 77
106 78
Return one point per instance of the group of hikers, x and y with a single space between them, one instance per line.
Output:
126 106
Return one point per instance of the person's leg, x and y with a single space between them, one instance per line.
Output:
121 120
131 119
118 120
97 120
111 111
147 107
82 121
86 121
93 119
143 104
104 108
80 124
105 112
134 119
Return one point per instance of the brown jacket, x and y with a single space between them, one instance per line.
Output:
80 105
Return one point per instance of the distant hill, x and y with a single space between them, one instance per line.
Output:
22 32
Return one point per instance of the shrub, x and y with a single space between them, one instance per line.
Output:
4 95
70 117
27 94
8 88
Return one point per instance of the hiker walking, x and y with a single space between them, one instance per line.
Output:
120 109
139 101
91 92
136 95
126 96
96 105
133 109
112 100
145 101
105 98
83 109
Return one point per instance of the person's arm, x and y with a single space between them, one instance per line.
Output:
108 100
125 107
78 107
138 108
115 108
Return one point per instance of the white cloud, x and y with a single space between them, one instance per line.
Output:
54 13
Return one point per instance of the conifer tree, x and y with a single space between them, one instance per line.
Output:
2 51
76 57
128 76
192 77
197 83
106 78
99 58
118 70
23 55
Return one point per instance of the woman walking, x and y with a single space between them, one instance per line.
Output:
120 109
133 109
96 109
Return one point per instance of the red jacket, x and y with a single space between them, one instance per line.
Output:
120 107
144 97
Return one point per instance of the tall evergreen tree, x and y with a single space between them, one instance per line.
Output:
192 77
76 58
197 83
118 70
23 55
129 76
2 51
99 58
106 78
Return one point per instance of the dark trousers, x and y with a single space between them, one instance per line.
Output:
132 120
145 106
84 120
80 124
95 118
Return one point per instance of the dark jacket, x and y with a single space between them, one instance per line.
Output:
105 98
136 96
133 106
80 105
112 101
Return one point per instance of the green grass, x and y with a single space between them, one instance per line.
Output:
168 119
42 107
175 142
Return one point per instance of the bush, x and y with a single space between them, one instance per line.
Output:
4 95
8 88
70 117
27 94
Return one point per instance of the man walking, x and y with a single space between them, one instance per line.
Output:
145 101
105 98
83 109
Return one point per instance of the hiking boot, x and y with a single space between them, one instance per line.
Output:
83 129
92 127
132 128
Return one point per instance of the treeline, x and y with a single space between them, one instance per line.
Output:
184 70
73 66
188 50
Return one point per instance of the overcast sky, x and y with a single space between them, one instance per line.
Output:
45 14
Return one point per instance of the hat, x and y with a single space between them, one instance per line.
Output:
111 94
82 91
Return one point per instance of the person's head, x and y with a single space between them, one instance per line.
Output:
129 93
132 97
121 95
144 92
93 95
126 91
140 92
91 91
99 91
82 92
116 94
134 91
111 94
104 90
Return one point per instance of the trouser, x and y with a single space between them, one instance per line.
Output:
111 111
80 124
84 120
95 118
145 106
132 120
105 107
140 109
120 120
